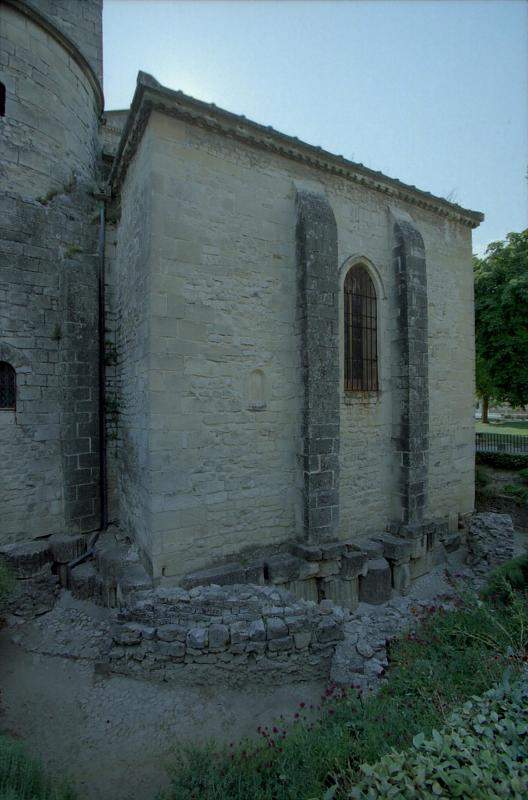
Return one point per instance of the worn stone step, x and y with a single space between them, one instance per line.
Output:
26 559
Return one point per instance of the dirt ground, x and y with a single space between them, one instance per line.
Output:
114 735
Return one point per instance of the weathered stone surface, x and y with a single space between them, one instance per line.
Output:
332 550
257 631
197 638
401 577
26 558
239 632
490 540
372 548
283 568
302 639
65 548
308 569
342 592
327 568
133 578
276 628
318 312
84 582
172 649
395 549
308 552
126 635
285 643
375 586
218 637
172 633
225 575
411 433
452 542
352 563
329 630
304 589
420 566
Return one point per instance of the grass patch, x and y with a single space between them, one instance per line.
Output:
453 656
503 426
23 778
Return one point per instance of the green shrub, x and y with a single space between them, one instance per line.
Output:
519 492
523 473
481 753
506 580
453 656
502 460
22 778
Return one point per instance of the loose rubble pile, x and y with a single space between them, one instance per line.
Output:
489 541
243 632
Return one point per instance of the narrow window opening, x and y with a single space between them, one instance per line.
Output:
361 331
7 386
2 99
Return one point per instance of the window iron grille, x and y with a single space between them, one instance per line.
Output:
361 331
7 385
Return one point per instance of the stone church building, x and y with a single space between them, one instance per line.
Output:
221 338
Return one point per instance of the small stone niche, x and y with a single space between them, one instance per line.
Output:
257 390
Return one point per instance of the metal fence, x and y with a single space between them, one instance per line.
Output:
501 443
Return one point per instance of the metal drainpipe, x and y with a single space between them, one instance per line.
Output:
103 490
102 372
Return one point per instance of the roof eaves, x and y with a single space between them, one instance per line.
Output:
210 115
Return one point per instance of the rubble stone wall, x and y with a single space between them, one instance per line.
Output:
233 635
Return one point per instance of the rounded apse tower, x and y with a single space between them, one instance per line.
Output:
51 102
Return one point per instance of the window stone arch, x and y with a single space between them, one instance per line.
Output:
360 330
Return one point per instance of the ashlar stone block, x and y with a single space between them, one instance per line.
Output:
375 587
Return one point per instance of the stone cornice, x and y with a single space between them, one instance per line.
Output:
36 16
151 96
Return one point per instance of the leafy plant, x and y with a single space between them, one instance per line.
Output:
520 492
507 580
72 250
523 473
482 753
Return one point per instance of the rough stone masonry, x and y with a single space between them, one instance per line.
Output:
172 305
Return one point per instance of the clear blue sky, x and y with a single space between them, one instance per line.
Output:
434 92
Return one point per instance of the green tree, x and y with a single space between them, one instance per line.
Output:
501 321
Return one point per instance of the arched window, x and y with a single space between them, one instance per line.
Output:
361 331
2 99
7 385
